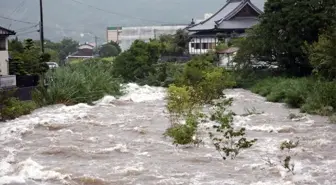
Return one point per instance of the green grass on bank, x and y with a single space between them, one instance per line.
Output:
78 83
308 94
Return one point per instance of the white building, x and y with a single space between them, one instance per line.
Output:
231 20
4 34
125 36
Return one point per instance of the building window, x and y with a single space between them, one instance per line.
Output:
3 44
192 45
205 46
197 46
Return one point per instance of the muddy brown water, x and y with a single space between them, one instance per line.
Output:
117 142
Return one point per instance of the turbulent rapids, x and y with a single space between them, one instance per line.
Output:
120 141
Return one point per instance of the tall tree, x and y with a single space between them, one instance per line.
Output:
284 29
109 50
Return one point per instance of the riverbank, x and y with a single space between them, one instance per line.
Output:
310 95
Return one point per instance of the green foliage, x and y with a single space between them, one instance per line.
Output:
13 108
199 84
78 83
176 44
317 97
207 80
322 55
111 49
284 28
29 61
66 47
164 74
184 134
321 99
227 140
137 63
182 101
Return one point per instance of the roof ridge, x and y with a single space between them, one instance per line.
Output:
202 22
240 7
8 30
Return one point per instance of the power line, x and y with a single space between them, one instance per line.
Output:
119 14
26 22
27 32
16 9
26 28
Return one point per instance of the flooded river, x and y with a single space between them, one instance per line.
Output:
120 142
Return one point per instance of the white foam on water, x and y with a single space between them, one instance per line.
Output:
59 114
29 170
119 148
144 93
132 168
106 100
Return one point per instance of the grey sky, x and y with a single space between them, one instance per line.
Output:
63 16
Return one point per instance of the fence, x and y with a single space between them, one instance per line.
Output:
20 86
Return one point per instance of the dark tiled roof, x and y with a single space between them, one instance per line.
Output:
83 53
5 31
238 23
231 8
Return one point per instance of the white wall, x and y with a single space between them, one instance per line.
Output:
201 50
129 34
4 60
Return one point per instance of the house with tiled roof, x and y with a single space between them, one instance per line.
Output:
4 34
231 20
84 51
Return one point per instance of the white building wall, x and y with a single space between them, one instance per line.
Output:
129 34
196 45
4 60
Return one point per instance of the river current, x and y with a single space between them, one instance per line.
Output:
121 142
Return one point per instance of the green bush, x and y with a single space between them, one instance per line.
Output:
183 134
322 99
294 92
13 108
137 63
264 87
317 97
163 75
78 83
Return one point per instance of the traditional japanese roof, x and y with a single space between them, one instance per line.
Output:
4 31
82 53
226 17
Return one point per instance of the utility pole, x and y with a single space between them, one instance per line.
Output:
41 27
96 42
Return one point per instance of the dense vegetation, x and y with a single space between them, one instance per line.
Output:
298 37
11 108
315 97
79 83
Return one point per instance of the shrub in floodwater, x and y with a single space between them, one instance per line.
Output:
78 83
184 134
13 108
287 159
227 140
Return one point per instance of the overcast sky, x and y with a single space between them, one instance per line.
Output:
70 18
